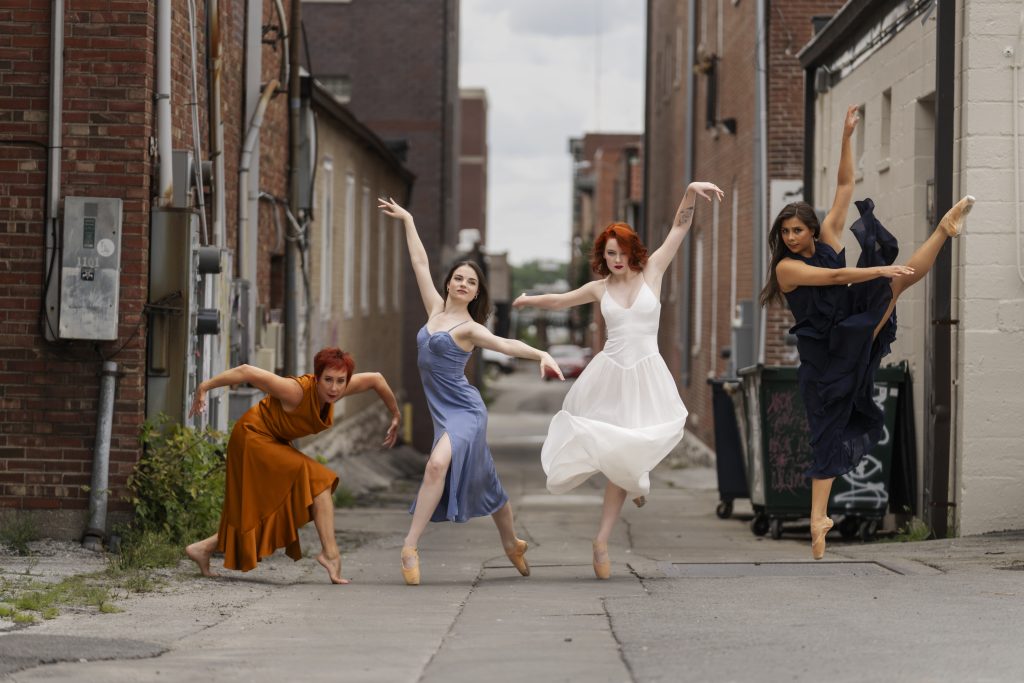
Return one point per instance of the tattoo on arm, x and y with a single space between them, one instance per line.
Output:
684 215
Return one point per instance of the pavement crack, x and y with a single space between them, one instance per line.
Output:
455 620
618 642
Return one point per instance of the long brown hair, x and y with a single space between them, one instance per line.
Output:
778 250
480 307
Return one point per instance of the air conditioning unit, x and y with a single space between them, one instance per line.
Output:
266 359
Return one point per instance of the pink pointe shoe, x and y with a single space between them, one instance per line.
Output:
818 532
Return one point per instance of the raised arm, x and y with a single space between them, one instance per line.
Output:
586 294
659 261
365 381
792 273
832 226
485 339
285 389
432 301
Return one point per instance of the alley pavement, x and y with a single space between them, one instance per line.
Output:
691 598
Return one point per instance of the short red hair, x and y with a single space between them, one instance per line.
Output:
335 359
628 241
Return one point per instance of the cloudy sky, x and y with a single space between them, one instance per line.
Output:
552 69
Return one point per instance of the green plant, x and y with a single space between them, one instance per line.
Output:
915 530
18 530
177 487
343 498
23 618
145 549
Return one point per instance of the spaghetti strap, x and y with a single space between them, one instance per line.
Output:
462 323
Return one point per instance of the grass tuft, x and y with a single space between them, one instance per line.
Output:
17 530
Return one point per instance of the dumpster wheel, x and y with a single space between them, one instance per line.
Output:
759 524
868 529
776 528
724 509
849 526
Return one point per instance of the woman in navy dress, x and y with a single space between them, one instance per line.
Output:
845 320
459 481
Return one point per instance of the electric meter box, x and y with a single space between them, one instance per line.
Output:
90 268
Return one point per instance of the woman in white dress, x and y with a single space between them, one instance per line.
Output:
623 414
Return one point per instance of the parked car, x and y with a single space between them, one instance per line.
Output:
496 362
570 358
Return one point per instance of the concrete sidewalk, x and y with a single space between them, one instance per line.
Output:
691 598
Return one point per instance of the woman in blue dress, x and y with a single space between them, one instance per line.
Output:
845 320
459 481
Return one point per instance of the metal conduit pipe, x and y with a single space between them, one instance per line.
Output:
54 152
291 299
163 102
197 148
97 529
287 58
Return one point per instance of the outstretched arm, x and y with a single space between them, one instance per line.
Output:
659 261
432 301
792 274
832 226
485 339
586 294
285 389
365 381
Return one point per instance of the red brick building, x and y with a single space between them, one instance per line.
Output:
395 64
473 161
706 98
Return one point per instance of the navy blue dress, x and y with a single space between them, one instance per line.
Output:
472 488
838 357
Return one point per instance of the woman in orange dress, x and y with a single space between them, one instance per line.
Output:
272 488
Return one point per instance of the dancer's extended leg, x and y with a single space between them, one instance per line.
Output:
323 519
427 499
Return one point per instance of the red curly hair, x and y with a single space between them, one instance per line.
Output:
335 359
629 243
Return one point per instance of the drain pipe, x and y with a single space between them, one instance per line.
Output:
54 152
291 299
163 102
97 529
761 217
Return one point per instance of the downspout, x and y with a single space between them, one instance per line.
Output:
689 159
218 359
163 102
645 230
810 102
760 176
245 243
939 396
197 148
291 299
54 154
97 529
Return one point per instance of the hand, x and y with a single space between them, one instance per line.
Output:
852 118
391 208
520 301
894 271
199 402
392 435
548 363
706 190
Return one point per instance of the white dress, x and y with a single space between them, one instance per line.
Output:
623 414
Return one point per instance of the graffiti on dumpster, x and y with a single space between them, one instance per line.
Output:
786 426
863 491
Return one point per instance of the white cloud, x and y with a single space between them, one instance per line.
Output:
548 77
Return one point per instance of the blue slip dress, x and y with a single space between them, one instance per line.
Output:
472 488
838 357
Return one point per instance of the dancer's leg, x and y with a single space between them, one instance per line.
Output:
820 522
431 490
924 257
515 549
323 520
614 497
200 552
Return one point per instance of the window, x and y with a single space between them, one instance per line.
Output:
858 152
886 115
348 305
698 295
364 255
326 238
396 264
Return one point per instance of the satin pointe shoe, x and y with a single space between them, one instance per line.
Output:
818 532
517 556
953 221
411 574
640 501
602 569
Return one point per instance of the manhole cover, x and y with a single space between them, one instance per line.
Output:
728 570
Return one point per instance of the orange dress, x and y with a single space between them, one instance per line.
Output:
270 484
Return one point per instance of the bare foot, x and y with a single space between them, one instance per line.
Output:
333 568
953 222
201 556
640 501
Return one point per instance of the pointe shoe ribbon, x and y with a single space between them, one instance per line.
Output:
818 532
411 574
517 556
602 569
